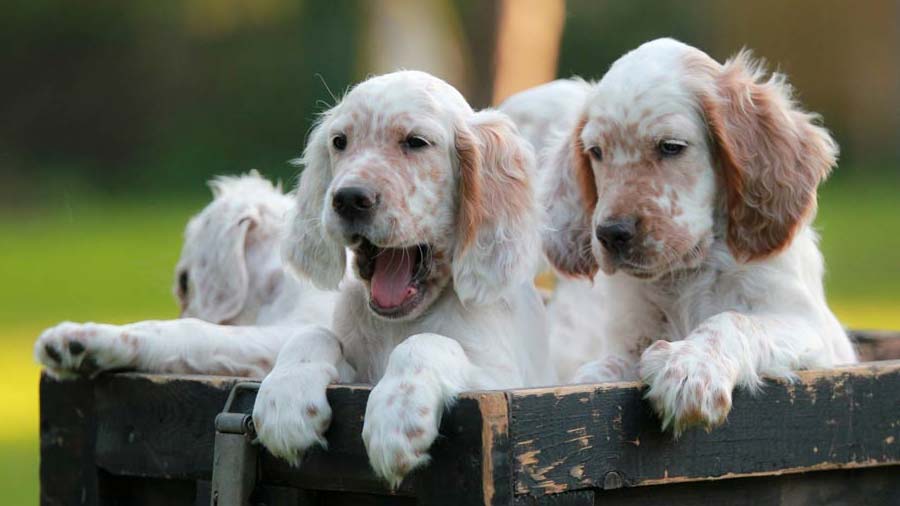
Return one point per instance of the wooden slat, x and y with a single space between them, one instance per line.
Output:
158 426
873 345
161 426
875 486
589 436
68 474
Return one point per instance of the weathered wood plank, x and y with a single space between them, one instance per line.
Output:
872 345
68 473
158 425
849 487
162 426
596 436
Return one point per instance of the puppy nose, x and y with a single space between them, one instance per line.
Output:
615 235
354 203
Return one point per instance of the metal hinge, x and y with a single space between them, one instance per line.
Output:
235 458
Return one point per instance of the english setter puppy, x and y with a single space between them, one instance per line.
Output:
436 203
686 189
238 302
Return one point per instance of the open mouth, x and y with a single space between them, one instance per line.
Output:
396 276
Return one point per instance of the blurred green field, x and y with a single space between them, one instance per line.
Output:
111 259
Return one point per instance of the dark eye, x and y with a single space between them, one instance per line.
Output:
183 283
415 142
339 142
596 153
670 147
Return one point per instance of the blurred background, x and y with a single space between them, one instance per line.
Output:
114 114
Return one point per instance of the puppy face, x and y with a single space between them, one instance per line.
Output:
400 171
674 151
391 199
653 177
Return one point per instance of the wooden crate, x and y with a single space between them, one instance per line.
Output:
833 437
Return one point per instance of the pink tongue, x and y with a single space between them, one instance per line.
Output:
393 276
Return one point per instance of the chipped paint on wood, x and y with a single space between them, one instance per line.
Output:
824 466
495 424
823 420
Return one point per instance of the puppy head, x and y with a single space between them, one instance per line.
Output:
424 191
675 151
229 262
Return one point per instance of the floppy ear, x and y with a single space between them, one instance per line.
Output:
773 156
307 248
569 195
497 237
220 279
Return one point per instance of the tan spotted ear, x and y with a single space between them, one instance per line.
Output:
773 154
498 212
307 248
569 197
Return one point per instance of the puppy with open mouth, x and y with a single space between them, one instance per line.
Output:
435 204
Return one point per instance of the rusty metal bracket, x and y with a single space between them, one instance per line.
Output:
236 454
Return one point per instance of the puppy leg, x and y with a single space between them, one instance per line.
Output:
173 346
691 381
607 369
291 413
423 377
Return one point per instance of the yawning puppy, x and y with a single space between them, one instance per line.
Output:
436 203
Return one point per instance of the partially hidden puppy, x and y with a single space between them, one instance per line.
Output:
685 190
238 302
436 203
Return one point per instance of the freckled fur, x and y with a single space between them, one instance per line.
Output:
731 275
469 195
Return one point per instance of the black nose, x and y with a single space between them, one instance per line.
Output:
615 235
354 203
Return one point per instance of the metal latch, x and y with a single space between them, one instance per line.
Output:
235 456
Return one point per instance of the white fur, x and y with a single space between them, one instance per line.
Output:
717 322
240 307
542 112
482 324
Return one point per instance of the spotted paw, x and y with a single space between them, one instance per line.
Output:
291 413
689 384
401 423
83 349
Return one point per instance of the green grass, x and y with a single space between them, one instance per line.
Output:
108 260
112 260
860 226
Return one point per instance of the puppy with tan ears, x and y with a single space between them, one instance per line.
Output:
685 190
436 203
238 302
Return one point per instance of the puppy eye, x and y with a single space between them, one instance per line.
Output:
339 142
415 142
596 153
671 147
183 283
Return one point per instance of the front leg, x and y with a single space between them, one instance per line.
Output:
610 368
187 346
691 381
291 413
424 375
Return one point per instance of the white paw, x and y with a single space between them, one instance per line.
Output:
607 369
689 384
401 423
291 413
72 349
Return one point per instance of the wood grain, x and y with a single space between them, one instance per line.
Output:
571 438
